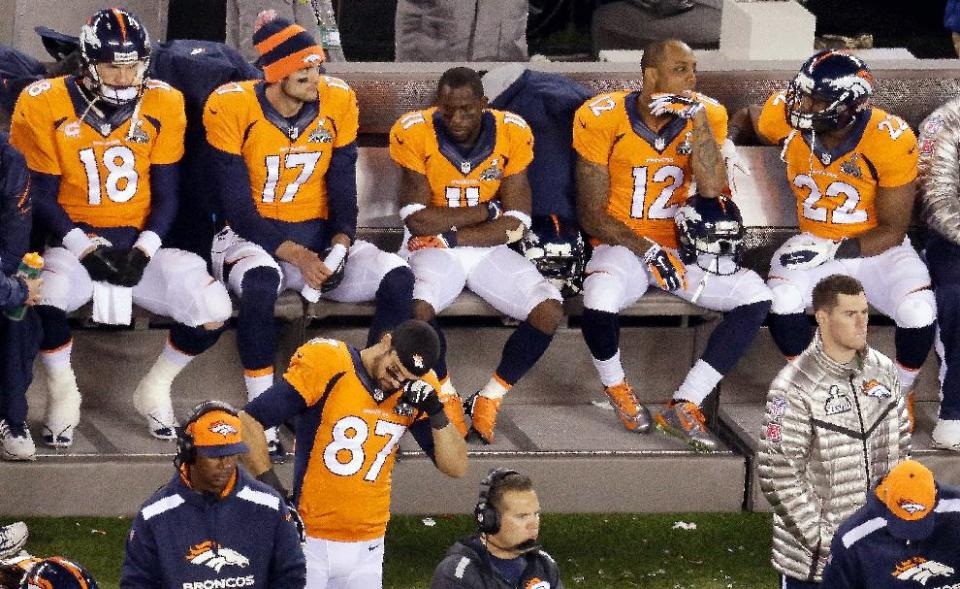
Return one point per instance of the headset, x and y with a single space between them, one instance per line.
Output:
488 520
186 451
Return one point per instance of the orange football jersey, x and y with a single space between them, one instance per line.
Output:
650 173
836 190
455 180
345 490
104 167
287 168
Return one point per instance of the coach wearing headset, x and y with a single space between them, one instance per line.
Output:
213 525
505 552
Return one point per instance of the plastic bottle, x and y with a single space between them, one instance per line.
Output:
329 32
29 269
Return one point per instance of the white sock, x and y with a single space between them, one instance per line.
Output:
257 382
153 392
446 387
495 388
611 370
54 360
907 378
701 379
175 356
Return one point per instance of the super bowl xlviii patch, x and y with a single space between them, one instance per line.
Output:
837 403
851 166
873 388
685 148
826 158
777 407
377 395
320 135
137 134
493 171
774 433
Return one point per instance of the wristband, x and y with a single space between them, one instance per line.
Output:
77 242
148 242
524 218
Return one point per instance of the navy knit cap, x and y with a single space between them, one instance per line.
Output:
417 345
284 48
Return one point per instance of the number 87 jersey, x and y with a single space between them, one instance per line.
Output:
836 189
103 164
650 172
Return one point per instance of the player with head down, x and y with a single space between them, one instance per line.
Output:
284 153
639 152
103 150
852 168
352 407
464 196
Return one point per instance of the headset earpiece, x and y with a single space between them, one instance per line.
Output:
487 518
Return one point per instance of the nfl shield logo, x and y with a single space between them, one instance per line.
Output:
465 167
105 129
660 144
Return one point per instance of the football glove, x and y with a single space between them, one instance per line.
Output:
494 210
444 240
131 266
418 395
666 268
101 265
806 253
674 104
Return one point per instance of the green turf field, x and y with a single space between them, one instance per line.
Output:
727 550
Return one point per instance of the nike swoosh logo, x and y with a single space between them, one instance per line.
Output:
372 548
398 140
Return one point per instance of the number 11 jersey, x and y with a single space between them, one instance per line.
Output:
650 172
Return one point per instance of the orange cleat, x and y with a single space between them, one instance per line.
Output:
631 412
909 401
483 413
685 421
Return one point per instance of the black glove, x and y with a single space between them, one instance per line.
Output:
419 395
131 266
293 516
101 266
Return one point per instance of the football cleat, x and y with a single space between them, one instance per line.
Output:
631 412
483 416
275 447
684 420
946 434
162 423
151 399
453 406
17 442
909 401
57 435
12 539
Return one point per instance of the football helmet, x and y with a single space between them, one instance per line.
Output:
840 80
556 248
710 232
114 36
57 572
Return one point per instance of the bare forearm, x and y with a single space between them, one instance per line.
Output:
434 220
706 160
257 460
880 239
498 232
450 451
593 185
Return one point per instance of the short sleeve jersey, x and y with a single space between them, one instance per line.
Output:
345 485
286 163
504 148
103 164
836 189
650 172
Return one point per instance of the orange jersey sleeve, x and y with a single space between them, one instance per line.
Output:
32 130
504 148
166 101
896 154
772 124
314 364
223 116
595 127
716 116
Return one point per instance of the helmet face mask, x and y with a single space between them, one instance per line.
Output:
838 83
114 37
558 252
711 232
58 573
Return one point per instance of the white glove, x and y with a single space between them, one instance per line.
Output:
677 105
734 163
807 252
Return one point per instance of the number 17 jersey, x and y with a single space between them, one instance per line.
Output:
650 172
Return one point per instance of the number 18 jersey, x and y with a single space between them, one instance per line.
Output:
346 442
836 189
104 166
650 173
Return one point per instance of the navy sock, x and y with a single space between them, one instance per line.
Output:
522 350
601 331
193 340
913 345
56 330
440 368
256 334
791 332
394 302
948 316
732 336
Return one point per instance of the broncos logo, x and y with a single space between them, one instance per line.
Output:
536 583
224 429
912 507
921 570
211 554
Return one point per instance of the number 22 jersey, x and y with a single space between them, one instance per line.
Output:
650 172
836 189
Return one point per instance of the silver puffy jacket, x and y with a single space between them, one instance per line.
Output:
940 170
829 433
